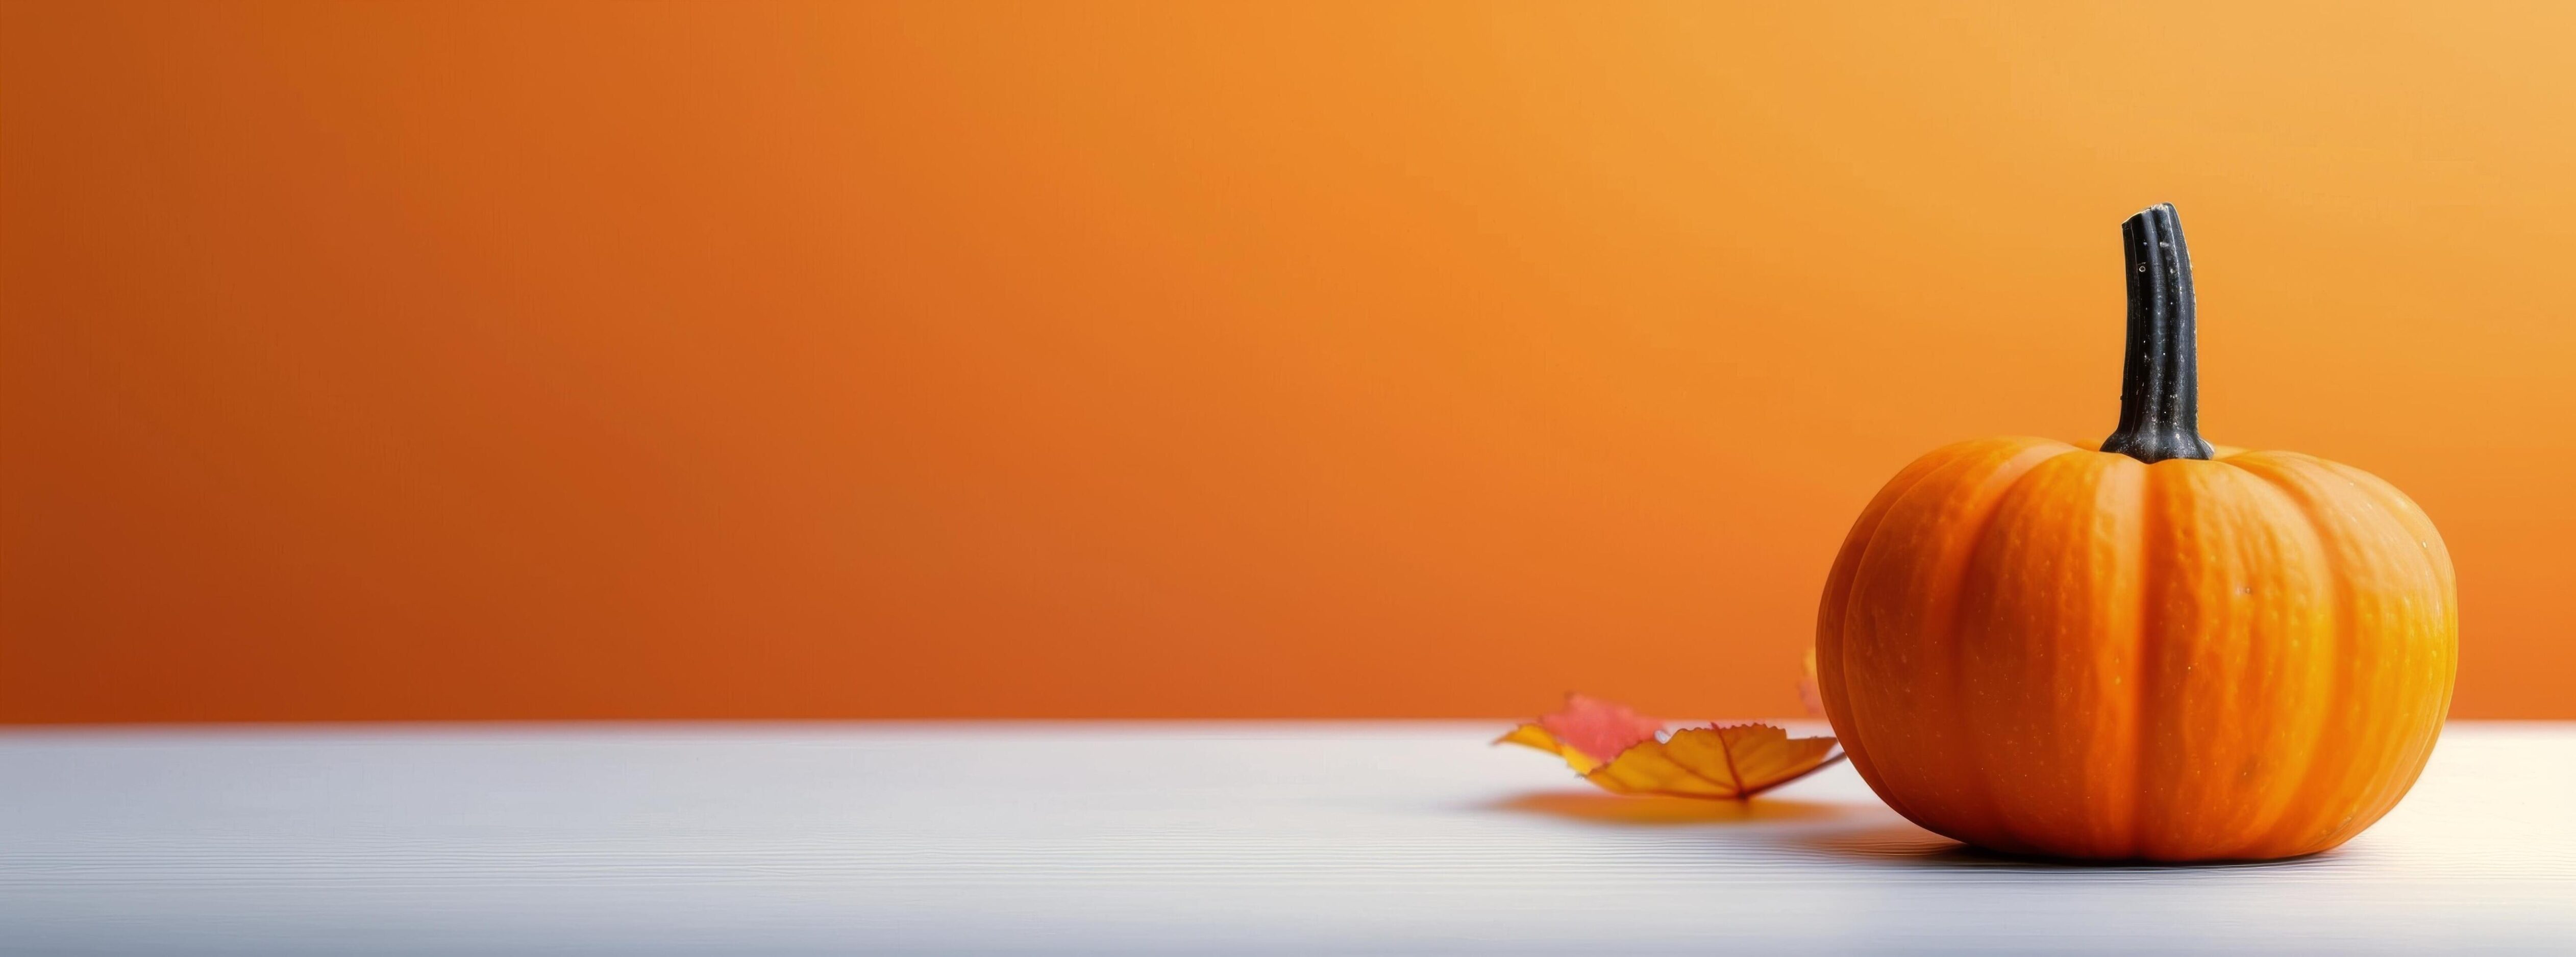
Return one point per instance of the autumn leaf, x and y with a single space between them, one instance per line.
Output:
1809 693
1718 761
1586 732
1618 749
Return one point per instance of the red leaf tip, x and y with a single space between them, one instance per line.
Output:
1599 728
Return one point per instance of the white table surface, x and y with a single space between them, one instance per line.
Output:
1149 838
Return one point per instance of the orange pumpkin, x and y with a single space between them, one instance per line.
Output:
2158 650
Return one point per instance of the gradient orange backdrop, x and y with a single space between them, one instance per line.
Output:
453 360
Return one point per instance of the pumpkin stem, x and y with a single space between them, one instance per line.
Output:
2160 383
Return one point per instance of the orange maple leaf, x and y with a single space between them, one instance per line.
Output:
1809 693
1617 749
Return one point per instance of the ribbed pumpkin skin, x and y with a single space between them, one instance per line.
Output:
2041 649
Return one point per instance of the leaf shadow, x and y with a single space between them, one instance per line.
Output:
1902 844
1647 811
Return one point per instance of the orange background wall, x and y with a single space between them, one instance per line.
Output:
451 360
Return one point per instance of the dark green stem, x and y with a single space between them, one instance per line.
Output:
2160 383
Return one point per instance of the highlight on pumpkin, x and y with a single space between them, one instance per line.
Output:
1620 751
